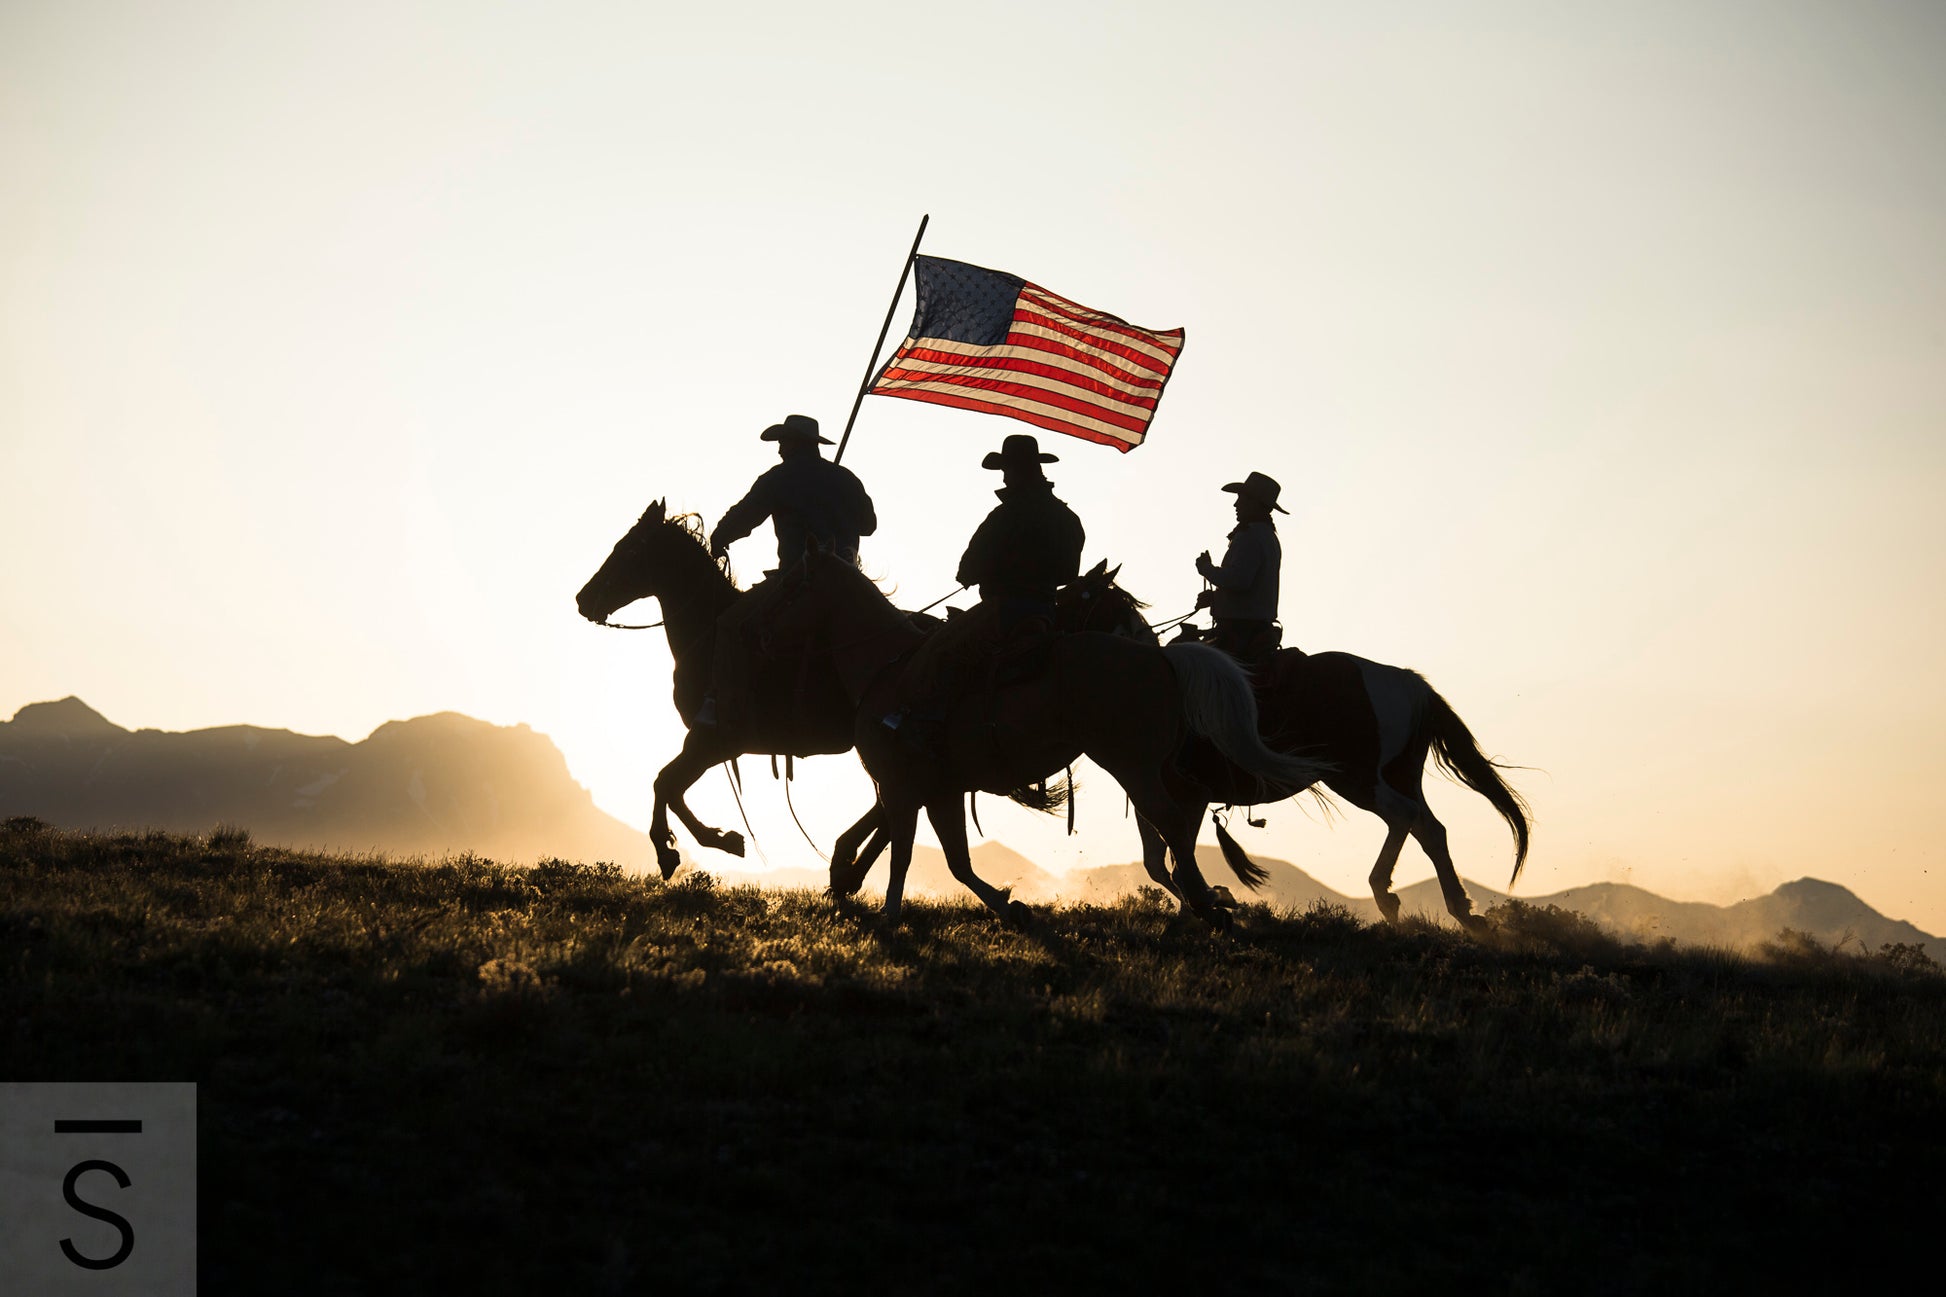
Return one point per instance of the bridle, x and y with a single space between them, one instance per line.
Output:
638 549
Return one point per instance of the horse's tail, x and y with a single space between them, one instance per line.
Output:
1454 748
1047 797
1248 872
1217 703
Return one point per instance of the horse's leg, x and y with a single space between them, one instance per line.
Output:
699 752
1398 701
949 822
1432 840
1408 813
1155 857
667 859
1398 811
874 848
1176 825
900 825
848 869
1388 857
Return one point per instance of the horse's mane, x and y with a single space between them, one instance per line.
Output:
1099 593
691 526
1101 579
865 581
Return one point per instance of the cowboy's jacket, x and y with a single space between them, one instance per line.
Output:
1027 548
1246 583
805 497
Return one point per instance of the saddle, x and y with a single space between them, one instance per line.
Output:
1261 648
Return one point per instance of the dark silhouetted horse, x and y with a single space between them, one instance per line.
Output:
1127 705
797 708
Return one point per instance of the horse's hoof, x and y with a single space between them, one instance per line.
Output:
1388 905
1474 923
1018 914
669 862
1220 919
733 843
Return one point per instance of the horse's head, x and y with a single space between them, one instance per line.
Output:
656 558
1093 602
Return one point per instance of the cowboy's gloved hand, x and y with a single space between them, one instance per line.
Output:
1205 567
1203 598
717 549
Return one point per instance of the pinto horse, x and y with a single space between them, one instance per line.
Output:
1127 705
1375 724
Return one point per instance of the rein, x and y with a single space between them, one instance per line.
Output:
800 823
1173 621
941 599
615 625
735 776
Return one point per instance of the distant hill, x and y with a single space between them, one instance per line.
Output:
1826 911
1288 886
449 783
1832 914
437 784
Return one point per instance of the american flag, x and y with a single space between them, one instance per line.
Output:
987 341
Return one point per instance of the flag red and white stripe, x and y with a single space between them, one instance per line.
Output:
987 341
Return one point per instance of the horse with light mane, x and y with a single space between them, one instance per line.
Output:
1375 724
1126 705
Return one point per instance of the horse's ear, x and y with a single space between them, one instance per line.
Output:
1110 577
1096 570
655 512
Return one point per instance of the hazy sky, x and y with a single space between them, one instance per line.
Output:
1600 349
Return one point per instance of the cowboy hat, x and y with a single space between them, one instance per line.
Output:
796 427
1016 450
1259 488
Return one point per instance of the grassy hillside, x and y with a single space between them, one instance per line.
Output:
470 1078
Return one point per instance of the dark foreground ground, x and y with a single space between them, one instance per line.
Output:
472 1079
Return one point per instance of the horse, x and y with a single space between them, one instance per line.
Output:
1126 705
797 710
860 846
1374 724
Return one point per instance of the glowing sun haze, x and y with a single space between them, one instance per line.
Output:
1601 353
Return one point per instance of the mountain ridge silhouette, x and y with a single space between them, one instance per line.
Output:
433 784
448 782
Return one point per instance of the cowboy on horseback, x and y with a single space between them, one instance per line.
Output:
1243 600
809 501
1027 548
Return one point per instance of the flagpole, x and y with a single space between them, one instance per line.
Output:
885 328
